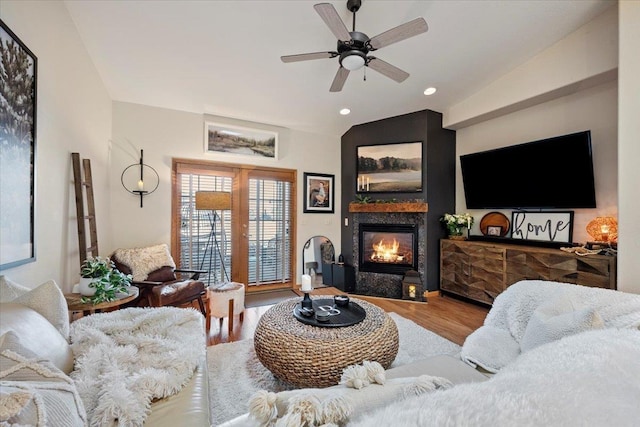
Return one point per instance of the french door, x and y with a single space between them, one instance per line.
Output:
253 242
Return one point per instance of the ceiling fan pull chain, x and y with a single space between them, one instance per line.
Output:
365 73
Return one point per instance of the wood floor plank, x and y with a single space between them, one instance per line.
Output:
446 316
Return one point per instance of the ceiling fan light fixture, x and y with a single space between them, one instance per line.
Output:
353 60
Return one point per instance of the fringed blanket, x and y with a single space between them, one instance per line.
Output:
125 359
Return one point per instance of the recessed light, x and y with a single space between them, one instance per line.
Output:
345 111
430 91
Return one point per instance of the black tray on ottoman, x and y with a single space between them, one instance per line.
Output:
348 315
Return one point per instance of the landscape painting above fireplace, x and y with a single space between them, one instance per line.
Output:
389 168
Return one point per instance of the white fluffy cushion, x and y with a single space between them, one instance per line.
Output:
35 392
10 290
143 261
48 300
490 348
558 318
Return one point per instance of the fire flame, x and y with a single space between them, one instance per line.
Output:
383 252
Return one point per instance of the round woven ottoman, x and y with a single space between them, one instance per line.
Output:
311 356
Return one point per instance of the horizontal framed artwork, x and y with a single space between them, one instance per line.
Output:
318 193
542 226
389 168
240 141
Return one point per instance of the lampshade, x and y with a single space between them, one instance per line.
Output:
603 229
213 200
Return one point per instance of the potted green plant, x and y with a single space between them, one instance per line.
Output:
92 270
101 281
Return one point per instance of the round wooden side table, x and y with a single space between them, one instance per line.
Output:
74 302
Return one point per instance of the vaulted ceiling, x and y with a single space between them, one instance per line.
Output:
223 57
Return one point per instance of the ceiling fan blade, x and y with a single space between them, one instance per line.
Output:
330 17
308 56
339 79
388 70
399 33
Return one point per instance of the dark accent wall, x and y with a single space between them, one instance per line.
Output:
439 176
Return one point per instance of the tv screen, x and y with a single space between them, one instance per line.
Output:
550 173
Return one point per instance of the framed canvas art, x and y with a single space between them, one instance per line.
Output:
318 193
389 168
240 141
18 67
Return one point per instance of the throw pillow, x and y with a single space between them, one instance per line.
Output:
10 290
558 318
143 261
48 300
490 348
36 392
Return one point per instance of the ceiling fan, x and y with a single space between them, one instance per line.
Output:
354 46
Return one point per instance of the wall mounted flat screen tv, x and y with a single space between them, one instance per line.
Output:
550 173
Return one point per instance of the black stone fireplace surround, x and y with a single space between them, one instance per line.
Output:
439 192
388 285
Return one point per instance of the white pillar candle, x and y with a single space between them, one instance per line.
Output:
140 185
306 283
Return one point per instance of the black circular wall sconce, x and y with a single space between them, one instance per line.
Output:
137 170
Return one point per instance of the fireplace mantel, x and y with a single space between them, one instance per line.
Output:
408 207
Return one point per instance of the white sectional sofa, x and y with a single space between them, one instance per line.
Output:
548 354
37 364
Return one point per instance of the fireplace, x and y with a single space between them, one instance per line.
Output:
388 248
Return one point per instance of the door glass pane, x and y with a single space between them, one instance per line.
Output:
205 235
269 236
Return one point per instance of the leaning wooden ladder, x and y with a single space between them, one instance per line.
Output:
84 185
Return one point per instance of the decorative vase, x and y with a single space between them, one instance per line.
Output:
84 288
457 237
456 232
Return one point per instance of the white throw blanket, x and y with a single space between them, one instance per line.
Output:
127 358
588 379
573 309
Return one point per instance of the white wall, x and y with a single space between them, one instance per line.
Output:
73 115
575 92
586 57
629 147
593 109
164 134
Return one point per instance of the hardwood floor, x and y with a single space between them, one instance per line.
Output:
448 317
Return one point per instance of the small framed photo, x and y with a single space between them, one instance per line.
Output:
494 230
240 141
318 193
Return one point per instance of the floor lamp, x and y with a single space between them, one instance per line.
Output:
213 201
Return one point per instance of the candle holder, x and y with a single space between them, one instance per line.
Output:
139 190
